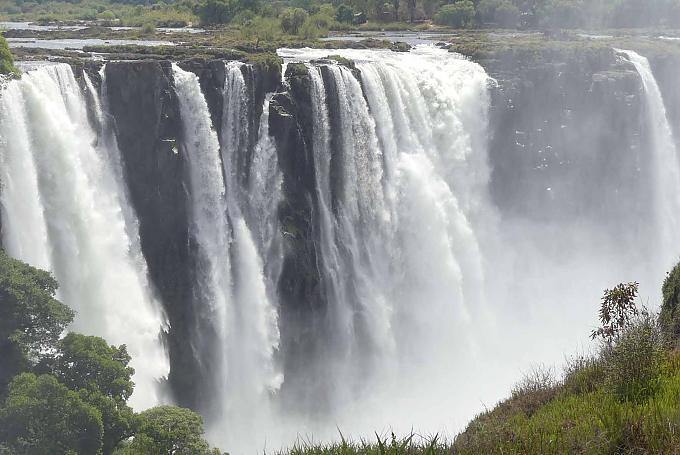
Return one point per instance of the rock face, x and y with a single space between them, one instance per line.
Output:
147 120
552 116
302 303
146 116
555 115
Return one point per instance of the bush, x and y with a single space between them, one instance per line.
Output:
6 59
634 360
459 15
344 14
506 14
669 315
216 12
292 20
583 374
563 14
534 390
148 29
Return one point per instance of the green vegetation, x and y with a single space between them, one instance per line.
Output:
624 400
458 15
6 59
309 19
69 395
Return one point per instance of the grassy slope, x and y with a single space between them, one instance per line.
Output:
624 400
565 421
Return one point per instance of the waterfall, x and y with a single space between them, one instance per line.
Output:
63 210
665 165
401 174
234 289
421 299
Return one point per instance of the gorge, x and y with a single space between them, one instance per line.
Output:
354 240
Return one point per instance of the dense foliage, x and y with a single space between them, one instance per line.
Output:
6 59
313 18
68 395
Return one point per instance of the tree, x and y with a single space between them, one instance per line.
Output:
169 430
344 13
292 19
460 14
31 319
87 362
102 377
41 416
563 13
411 4
617 310
216 12
506 14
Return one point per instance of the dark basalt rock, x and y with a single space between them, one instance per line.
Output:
148 126
303 307
567 130
146 116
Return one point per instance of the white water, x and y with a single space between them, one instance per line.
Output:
233 284
400 236
459 301
63 210
665 165
437 302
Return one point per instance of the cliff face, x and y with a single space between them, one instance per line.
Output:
300 287
148 127
146 118
563 126
566 127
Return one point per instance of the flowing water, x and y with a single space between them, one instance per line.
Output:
435 298
63 210
235 302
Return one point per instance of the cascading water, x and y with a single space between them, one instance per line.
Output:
432 298
401 175
665 165
63 211
233 293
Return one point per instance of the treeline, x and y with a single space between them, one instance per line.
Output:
314 17
550 14
68 394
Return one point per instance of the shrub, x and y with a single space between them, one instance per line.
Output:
6 59
536 388
292 20
148 29
583 374
344 14
669 315
506 14
460 14
216 12
634 360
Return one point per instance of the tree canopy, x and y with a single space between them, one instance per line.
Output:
69 395
31 318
